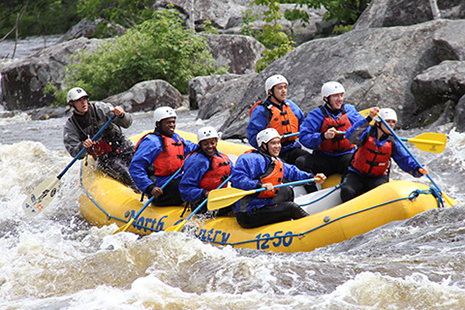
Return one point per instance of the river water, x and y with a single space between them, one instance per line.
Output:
58 261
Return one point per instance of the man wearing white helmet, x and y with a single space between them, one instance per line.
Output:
158 156
279 113
370 166
112 150
263 168
204 170
332 152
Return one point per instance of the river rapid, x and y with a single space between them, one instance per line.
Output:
56 260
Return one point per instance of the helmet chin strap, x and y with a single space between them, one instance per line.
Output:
264 149
273 95
384 135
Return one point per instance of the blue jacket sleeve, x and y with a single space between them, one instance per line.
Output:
247 167
189 146
257 123
405 161
147 151
292 173
310 135
353 115
195 166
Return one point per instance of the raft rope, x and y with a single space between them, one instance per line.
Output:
323 196
412 196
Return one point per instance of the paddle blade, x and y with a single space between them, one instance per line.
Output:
223 197
449 201
177 227
41 196
430 142
124 228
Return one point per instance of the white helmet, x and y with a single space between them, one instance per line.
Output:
386 114
274 80
206 133
76 93
331 88
266 135
162 113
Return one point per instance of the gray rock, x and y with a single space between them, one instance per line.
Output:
389 13
459 119
201 86
86 28
376 67
438 84
148 95
48 112
450 42
24 81
239 53
217 12
224 96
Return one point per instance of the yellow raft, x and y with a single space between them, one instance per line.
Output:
105 201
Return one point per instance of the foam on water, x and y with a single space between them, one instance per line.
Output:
58 261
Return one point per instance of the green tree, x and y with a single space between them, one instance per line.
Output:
160 48
345 11
40 17
272 35
127 13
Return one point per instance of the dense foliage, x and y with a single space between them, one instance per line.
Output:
37 17
345 11
127 13
277 41
160 48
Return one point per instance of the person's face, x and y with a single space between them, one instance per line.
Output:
274 146
208 146
168 125
335 101
280 91
390 122
81 106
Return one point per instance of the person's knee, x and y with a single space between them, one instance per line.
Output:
303 163
296 211
347 193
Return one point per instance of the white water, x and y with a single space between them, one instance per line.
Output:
58 261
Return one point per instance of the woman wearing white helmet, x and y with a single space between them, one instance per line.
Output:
279 113
370 166
112 150
204 170
332 152
263 168
158 156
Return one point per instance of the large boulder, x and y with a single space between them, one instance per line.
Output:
87 28
239 53
227 16
389 13
24 80
223 96
376 67
459 119
201 86
148 95
439 84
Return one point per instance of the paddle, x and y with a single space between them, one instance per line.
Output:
415 159
126 226
428 141
178 227
224 197
46 191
